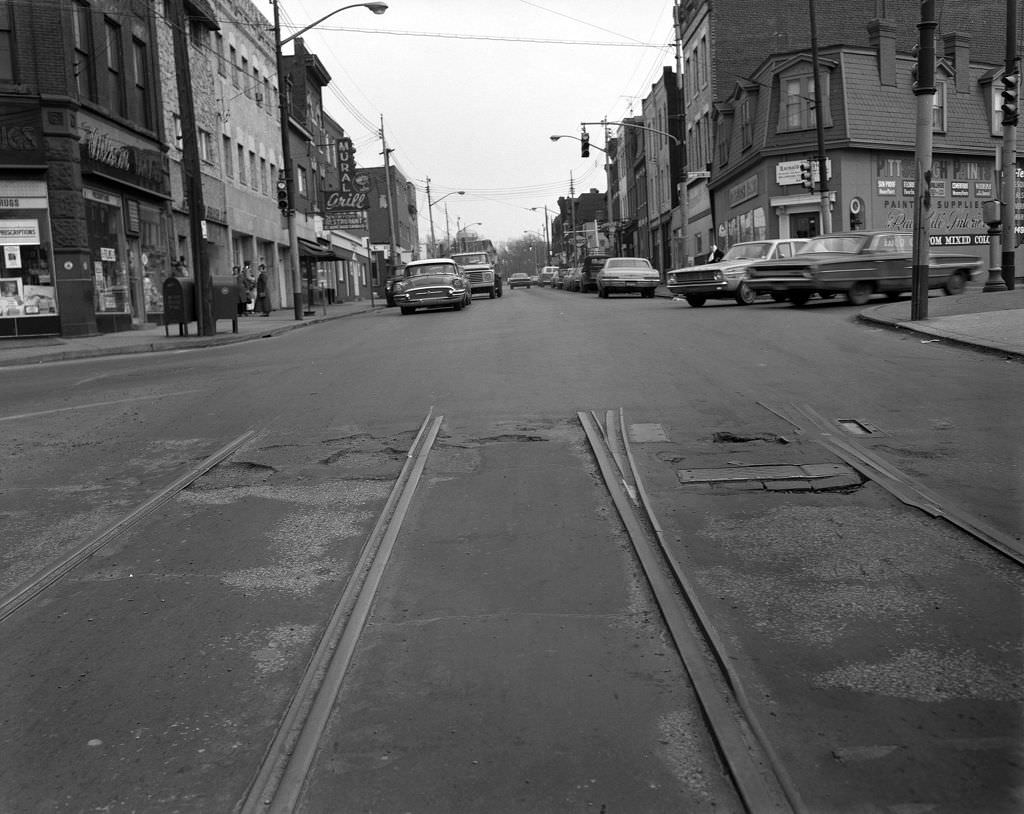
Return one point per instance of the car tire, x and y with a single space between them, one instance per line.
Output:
695 300
956 283
799 298
859 293
457 306
491 295
744 295
406 310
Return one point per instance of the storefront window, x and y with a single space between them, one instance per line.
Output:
156 261
26 278
107 254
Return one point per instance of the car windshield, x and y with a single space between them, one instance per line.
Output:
429 268
628 263
749 251
847 244
471 259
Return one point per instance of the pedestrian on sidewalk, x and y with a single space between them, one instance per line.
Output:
262 298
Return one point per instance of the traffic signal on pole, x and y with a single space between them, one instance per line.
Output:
1011 87
585 144
805 175
282 192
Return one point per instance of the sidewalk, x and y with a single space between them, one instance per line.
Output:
994 320
36 350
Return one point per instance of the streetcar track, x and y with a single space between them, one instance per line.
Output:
904 488
756 770
281 776
24 593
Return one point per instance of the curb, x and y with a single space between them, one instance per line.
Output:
173 344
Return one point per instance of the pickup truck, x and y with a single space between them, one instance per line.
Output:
727 278
480 271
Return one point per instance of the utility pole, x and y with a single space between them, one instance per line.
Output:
572 210
1011 88
819 120
430 214
284 101
393 259
924 89
192 174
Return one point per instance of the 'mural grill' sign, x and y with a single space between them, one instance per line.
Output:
345 207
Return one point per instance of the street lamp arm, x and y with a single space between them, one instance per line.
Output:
592 145
460 192
675 139
376 8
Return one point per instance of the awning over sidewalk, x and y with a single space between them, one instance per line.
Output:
315 251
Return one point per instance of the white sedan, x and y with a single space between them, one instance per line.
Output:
627 275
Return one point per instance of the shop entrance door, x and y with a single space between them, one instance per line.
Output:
804 224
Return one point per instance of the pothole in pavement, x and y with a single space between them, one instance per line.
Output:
821 477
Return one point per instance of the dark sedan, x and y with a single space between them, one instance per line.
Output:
859 265
438 283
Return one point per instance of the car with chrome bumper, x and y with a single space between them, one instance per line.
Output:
627 275
726 278
436 283
859 265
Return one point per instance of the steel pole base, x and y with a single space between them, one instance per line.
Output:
995 281
297 304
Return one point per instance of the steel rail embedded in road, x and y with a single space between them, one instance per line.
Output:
755 769
279 780
24 593
898 483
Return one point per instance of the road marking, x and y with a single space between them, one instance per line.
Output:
94 404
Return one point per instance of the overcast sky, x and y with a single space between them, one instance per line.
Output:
471 90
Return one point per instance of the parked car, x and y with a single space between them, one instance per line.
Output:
627 275
547 276
572 279
436 283
726 278
588 271
389 289
519 280
859 265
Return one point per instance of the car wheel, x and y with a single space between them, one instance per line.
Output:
406 310
744 296
956 283
491 294
799 298
457 306
696 300
859 293
602 293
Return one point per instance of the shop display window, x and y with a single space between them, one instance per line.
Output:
26 281
110 271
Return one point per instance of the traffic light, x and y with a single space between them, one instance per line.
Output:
282 192
1011 86
805 175
585 144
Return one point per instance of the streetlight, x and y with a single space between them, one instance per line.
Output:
430 213
462 243
547 239
284 101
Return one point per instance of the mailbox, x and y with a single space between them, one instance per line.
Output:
226 295
179 304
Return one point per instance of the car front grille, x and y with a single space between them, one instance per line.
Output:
695 277
429 293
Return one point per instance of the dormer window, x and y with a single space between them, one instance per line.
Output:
796 99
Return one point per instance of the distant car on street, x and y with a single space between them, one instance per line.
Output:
547 276
436 283
726 278
859 265
519 280
627 275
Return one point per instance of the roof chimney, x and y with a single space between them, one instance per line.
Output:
882 36
958 51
